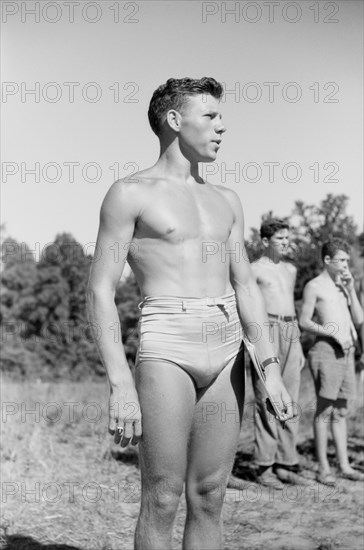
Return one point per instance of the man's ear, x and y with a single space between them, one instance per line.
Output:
265 242
173 120
327 259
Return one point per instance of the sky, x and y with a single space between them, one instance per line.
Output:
77 79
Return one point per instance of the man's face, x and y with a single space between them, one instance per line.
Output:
278 243
338 264
201 128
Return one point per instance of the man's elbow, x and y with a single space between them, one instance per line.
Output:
304 322
245 288
96 295
243 291
358 319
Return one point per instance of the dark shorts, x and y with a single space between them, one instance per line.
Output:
333 370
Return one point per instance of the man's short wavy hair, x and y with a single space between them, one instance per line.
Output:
270 226
174 94
332 246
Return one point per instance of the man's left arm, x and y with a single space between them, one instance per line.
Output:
355 308
251 308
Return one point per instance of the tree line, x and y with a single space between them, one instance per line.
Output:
43 322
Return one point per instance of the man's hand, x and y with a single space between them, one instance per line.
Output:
279 395
344 343
125 422
346 281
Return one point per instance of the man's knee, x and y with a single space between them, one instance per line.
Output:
339 412
163 496
206 496
340 409
324 409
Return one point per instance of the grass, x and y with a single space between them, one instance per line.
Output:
66 486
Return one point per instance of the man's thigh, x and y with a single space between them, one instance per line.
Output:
216 425
291 356
167 399
348 386
328 371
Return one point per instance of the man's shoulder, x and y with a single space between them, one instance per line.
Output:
262 268
316 284
136 181
230 196
126 196
290 267
258 264
131 186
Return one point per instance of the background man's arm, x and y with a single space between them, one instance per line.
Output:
251 307
293 270
308 310
117 222
356 309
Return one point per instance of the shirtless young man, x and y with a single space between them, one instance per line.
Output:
331 297
189 379
275 449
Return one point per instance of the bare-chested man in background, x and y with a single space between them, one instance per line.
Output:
275 449
182 235
331 297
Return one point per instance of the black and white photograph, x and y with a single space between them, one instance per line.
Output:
182 275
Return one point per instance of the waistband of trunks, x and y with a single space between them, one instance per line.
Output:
185 303
285 318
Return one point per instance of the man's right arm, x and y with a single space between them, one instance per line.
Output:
117 222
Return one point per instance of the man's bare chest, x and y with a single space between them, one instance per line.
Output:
333 297
276 279
179 218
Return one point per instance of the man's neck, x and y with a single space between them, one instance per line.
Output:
326 273
176 166
271 257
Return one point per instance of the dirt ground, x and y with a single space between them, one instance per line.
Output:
66 486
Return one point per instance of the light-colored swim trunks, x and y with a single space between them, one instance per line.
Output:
200 335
